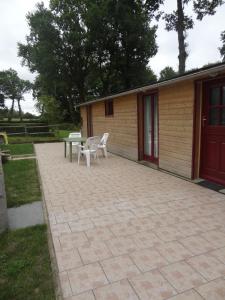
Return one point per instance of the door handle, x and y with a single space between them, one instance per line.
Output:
203 121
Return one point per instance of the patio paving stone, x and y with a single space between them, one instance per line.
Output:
214 290
182 276
119 267
152 285
94 251
86 278
121 230
188 295
209 267
117 291
148 259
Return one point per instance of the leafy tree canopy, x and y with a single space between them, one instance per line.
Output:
87 48
222 49
12 87
167 73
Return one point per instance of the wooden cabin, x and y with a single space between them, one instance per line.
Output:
177 124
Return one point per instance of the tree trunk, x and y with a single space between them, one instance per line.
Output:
11 111
71 109
181 37
20 111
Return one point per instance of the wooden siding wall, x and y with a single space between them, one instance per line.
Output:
122 127
176 128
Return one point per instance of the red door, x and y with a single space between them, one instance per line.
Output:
213 132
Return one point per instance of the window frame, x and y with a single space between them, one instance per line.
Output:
109 108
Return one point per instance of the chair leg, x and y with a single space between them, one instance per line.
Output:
78 160
88 159
105 152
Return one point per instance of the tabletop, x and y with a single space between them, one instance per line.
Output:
75 139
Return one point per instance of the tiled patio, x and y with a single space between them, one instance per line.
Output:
124 231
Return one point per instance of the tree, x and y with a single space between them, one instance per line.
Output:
222 49
167 73
13 88
87 48
180 22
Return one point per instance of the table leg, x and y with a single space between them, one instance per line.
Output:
64 149
70 151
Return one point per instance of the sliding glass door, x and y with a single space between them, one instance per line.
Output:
151 128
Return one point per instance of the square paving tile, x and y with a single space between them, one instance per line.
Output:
122 229
142 224
214 290
99 234
215 237
65 284
118 268
63 217
68 259
182 276
209 267
152 286
59 229
72 240
116 291
83 296
188 295
197 244
86 278
88 213
148 259
94 251
174 251
188 228
81 225
168 233
219 254
146 239
121 245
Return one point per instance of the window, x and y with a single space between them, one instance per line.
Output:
109 108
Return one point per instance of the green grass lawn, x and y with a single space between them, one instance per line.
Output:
63 133
19 149
21 181
25 269
31 139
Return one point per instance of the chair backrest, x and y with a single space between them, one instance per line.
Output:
92 143
104 139
74 134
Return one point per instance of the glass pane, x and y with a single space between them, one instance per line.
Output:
148 127
214 116
155 126
223 100
214 96
223 116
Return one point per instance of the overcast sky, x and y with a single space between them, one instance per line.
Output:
203 40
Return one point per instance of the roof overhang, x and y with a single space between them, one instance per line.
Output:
210 72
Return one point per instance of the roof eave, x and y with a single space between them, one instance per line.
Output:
210 72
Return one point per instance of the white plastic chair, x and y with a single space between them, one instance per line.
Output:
89 149
74 144
103 144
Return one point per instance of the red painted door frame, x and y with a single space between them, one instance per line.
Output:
212 162
141 136
89 121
